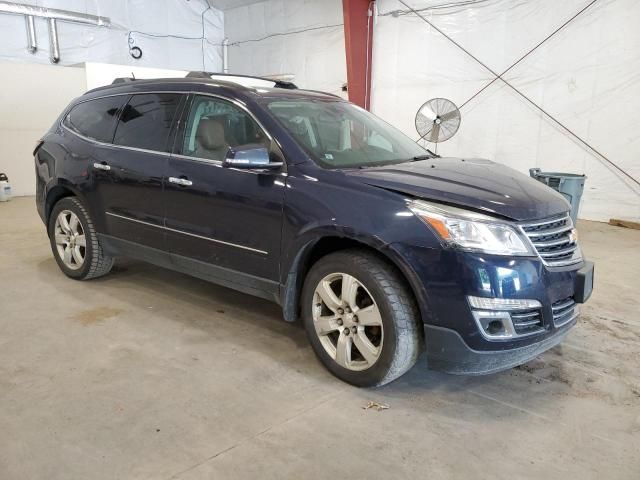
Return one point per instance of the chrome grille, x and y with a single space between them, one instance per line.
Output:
564 311
526 321
554 239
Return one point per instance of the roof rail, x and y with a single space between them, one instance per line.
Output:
122 80
276 83
285 84
196 74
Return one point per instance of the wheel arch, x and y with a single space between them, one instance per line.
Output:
55 194
315 249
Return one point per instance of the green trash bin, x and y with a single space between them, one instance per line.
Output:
571 185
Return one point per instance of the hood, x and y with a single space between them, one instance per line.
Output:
475 183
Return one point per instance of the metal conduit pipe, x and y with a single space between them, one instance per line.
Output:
52 15
62 15
32 41
225 55
54 46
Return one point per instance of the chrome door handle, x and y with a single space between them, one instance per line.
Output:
101 166
180 181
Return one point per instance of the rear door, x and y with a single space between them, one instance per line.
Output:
89 127
223 217
130 174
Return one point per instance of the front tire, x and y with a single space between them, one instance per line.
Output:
360 318
74 241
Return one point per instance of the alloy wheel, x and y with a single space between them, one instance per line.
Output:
70 239
347 321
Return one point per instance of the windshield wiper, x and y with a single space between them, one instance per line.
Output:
394 162
425 157
417 158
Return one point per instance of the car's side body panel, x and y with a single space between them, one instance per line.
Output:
130 194
241 281
227 217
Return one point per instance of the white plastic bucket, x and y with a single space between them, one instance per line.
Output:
5 188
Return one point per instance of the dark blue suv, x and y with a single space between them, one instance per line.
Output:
382 248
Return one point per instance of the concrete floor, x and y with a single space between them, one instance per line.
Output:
151 374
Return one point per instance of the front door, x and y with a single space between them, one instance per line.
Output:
223 221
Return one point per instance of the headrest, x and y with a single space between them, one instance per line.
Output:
210 134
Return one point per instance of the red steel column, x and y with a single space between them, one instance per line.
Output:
358 36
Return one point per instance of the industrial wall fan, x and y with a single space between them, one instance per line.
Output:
437 120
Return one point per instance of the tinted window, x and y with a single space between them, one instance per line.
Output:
146 121
214 125
96 118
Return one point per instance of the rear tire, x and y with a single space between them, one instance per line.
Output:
352 298
74 241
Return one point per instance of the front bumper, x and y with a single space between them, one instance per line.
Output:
453 339
447 352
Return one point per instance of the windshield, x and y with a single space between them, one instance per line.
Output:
342 135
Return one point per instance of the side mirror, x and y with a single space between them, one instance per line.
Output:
249 157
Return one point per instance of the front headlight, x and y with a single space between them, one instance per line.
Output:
471 231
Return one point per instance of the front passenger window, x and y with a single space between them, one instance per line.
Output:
215 125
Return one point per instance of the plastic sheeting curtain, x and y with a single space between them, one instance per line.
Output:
174 34
304 38
585 76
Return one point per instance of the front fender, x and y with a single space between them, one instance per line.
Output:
322 204
294 274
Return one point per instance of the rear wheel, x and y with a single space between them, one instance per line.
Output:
360 318
74 241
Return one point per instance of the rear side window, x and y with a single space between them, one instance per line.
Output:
146 121
96 119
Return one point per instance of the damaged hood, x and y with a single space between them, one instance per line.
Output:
475 183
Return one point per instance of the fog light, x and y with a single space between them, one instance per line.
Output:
494 325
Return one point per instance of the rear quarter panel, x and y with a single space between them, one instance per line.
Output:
63 162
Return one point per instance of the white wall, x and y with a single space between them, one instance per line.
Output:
79 43
100 74
586 76
316 57
27 111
